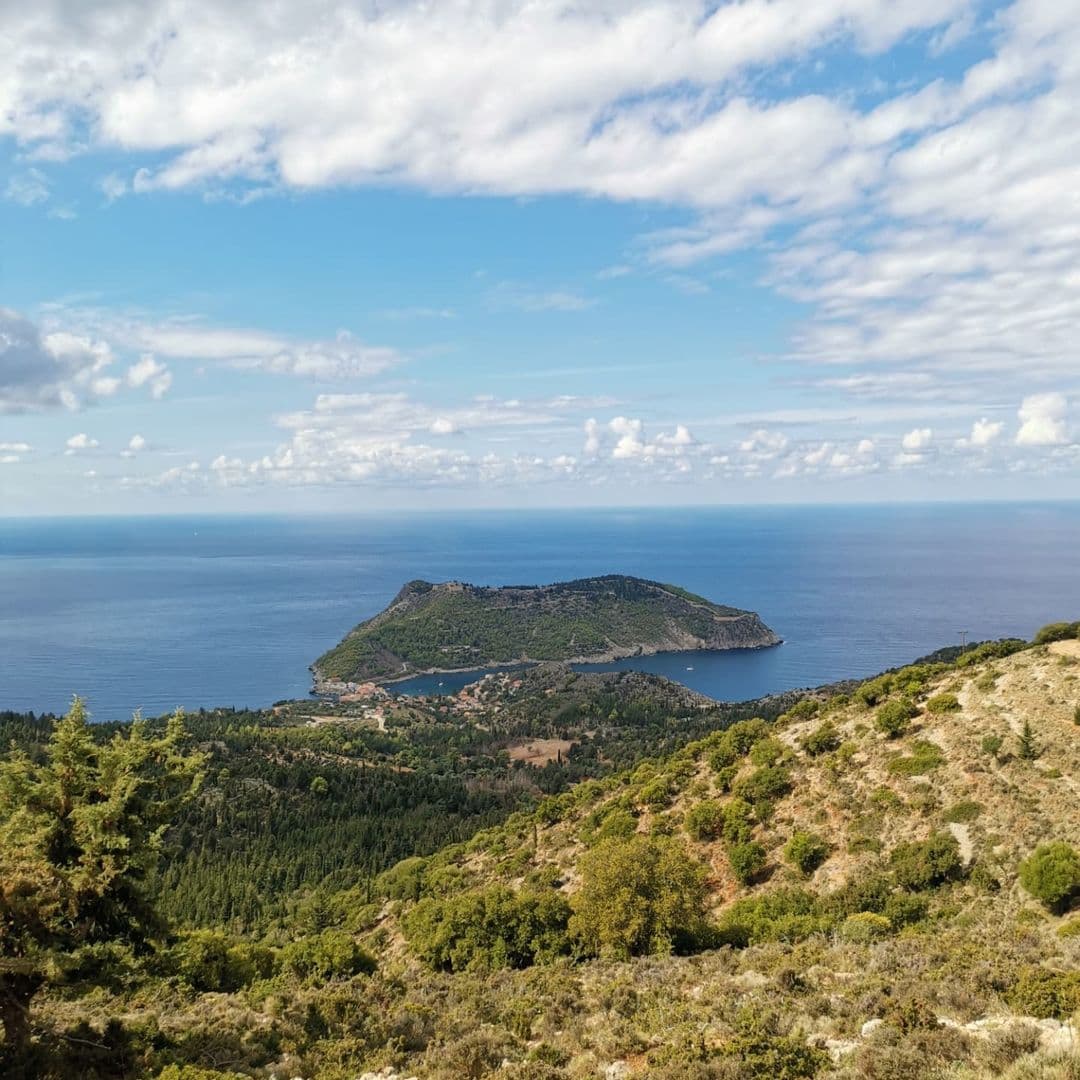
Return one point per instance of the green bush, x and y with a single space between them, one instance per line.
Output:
924 758
403 881
616 824
965 810
657 793
210 961
1046 994
767 751
764 785
194 1072
926 864
893 717
333 954
705 820
943 703
737 825
992 744
489 928
769 1056
747 860
823 740
865 926
806 851
779 915
1052 874
1057 631
640 895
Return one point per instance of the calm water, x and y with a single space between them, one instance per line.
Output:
152 613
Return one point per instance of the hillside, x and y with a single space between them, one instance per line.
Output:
879 884
454 626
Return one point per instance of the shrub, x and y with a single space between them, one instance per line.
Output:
489 928
333 954
403 881
965 810
806 851
194 1072
783 914
1046 994
1056 631
775 1057
992 744
705 820
925 757
767 751
641 895
865 926
657 793
747 860
737 823
1052 874
617 824
893 717
1069 928
822 740
764 785
210 961
943 703
928 863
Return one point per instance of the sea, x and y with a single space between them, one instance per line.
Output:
151 613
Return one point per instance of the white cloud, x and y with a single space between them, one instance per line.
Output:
189 338
1043 420
152 374
764 443
15 447
136 444
443 425
917 440
616 99
82 441
984 433
40 370
27 189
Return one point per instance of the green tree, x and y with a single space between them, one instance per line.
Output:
806 851
639 895
747 860
892 718
1027 747
1052 874
83 831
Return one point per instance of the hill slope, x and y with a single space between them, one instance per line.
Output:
454 626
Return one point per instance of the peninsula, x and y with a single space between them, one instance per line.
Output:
454 626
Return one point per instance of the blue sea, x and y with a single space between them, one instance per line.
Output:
152 613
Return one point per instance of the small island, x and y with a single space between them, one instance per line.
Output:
453 626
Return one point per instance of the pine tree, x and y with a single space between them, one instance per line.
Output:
82 832
1028 748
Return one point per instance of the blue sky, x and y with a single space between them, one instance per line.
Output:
334 256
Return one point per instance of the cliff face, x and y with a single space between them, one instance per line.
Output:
452 625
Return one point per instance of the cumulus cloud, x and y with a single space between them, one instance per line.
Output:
1043 420
514 98
917 439
984 433
82 441
40 370
136 444
152 374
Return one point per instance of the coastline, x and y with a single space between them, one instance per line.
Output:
322 687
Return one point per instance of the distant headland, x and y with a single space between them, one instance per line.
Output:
453 626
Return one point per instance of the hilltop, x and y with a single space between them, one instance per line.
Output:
455 626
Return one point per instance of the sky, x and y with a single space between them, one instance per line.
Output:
356 255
